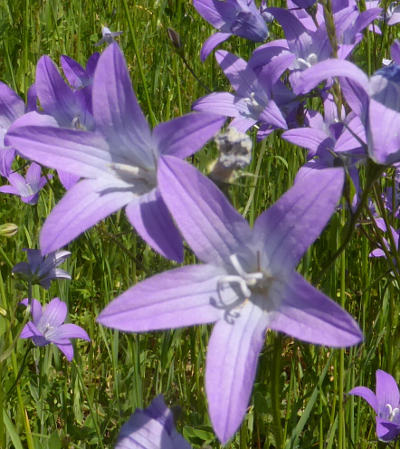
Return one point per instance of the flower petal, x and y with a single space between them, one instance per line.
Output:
309 315
183 136
54 313
116 110
299 216
367 395
213 41
232 358
211 226
387 391
153 222
176 298
83 206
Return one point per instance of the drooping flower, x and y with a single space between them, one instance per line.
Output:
120 161
151 428
246 284
42 269
108 36
47 326
386 404
27 188
231 17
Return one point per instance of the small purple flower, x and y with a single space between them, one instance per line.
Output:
108 36
42 269
27 188
47 326
252 102
386 404
231 17
152 428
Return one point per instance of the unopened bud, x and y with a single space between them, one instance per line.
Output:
175 38
8 229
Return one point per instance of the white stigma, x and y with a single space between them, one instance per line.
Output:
132 173
243 279
393 412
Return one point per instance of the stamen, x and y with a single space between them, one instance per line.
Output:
134 172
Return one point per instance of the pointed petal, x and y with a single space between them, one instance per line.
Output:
54 313
30 330
272 115
222 103
66 348
386 430
209 12
83 206
116 110
367 395
232 357
309 315
73 71
68 180
81 153
11 106
183 136
67 331
309 138
153 222
176 298
387 391
299 216
56 98
36 310
236 70
311 77
211 226
213 41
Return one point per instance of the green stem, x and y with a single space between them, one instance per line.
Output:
139 64
275 391
373 173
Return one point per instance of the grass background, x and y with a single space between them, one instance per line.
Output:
298 398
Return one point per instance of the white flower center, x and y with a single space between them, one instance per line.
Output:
132 173
303 64
392 412
255 107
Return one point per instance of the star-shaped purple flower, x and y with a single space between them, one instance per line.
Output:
386 404
119 162
246 284
47 326
27 188
151 428
42 269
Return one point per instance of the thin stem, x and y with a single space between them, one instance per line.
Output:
139 64
275 391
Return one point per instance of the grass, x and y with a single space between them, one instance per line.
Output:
298 399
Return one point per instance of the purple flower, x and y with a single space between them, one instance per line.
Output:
120 161
238 17
252 101
376 101
47 326
77 76
246 284
151 428
42 269
27 188
11 108
386 404
108 36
